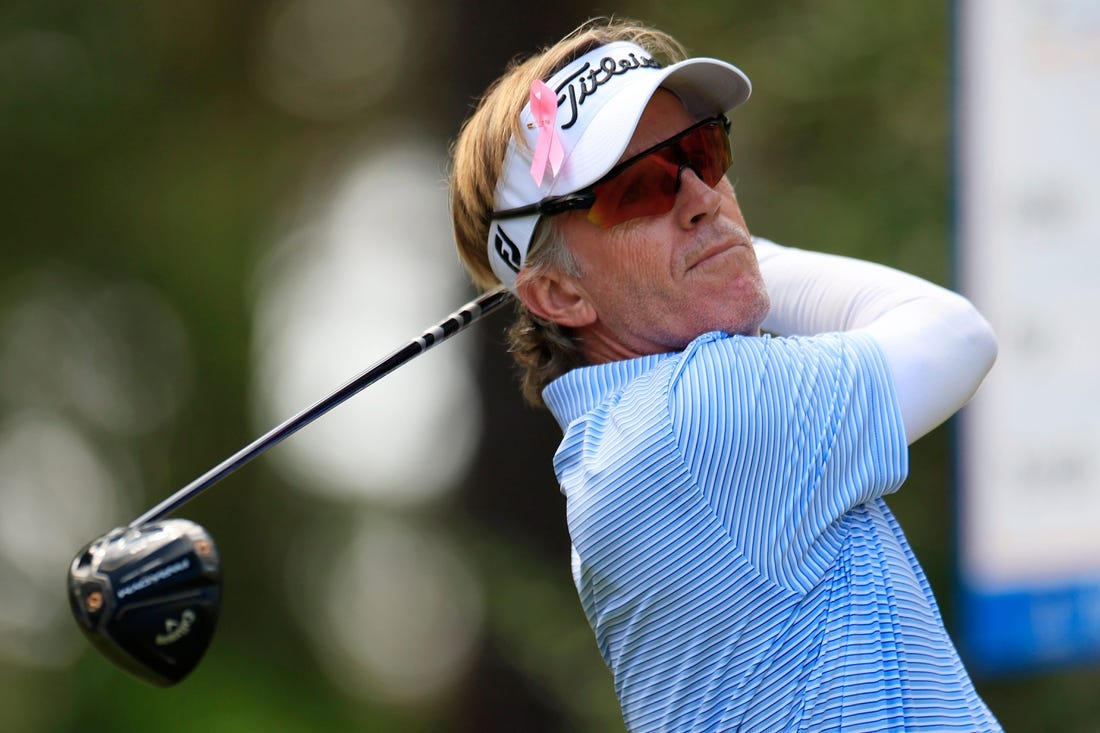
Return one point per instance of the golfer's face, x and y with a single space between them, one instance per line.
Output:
657 282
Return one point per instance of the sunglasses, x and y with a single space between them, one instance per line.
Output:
645 184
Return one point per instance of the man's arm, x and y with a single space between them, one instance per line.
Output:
937 345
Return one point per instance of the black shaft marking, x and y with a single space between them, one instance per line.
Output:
468 314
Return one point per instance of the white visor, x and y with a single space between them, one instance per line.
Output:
600 98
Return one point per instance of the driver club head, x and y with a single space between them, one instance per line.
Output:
148 597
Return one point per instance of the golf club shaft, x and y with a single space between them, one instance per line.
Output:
473 311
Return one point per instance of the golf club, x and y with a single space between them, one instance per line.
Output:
148 594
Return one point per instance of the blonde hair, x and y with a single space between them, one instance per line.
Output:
542 350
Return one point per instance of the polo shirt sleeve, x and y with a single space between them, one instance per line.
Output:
785 435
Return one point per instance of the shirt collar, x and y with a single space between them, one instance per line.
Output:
580 390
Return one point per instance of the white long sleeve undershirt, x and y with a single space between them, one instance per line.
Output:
938 347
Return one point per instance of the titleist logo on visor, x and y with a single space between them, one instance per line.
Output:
588 79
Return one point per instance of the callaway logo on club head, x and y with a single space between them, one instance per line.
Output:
176 630
587 80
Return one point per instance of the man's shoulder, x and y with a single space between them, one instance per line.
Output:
709 361
753 371
745 351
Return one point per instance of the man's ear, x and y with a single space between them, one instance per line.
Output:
555 297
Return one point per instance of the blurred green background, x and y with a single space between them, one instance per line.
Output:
213 213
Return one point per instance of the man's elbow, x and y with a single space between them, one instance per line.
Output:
972 340
979 339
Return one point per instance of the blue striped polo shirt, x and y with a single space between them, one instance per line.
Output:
731 548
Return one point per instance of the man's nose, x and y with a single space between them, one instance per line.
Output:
694 198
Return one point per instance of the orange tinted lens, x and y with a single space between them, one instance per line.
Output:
707 151
648 186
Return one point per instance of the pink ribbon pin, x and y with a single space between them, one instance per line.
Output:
548 147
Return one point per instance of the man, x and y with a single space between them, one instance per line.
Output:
723 488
